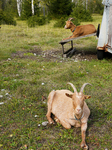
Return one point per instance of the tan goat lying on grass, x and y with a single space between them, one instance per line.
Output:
79 30
69 109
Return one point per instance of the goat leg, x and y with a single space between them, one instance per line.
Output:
48 115
83 133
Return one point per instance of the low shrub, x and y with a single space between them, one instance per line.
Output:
35 20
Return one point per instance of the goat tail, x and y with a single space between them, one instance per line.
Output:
50 100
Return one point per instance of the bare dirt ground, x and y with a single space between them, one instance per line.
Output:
55 55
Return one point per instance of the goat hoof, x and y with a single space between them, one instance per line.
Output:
51 122
84 146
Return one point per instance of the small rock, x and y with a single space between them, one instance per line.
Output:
64 56
2 90
7 94
76 60
1 103
9 59
38 125
45 123
1 96
35 54
36 116
42 83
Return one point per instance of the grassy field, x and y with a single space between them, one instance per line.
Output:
30 67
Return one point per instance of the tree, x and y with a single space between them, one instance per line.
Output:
59 8
98 7
81 12
29 8
19 7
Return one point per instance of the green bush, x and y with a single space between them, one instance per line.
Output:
61 22
6 18
35 20
1 16
80 12
41 20
32 21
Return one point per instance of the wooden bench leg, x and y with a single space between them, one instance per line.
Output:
71 44
69 51
62 49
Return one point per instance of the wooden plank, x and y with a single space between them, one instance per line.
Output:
80 37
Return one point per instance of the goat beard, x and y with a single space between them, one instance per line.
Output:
78 115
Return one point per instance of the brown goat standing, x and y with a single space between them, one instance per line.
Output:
79 30
69 109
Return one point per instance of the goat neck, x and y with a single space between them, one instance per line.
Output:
72 27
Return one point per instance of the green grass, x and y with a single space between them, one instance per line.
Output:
28 78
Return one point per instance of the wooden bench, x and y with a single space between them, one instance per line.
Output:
70 52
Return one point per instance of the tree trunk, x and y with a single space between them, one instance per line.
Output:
19 3
32 6
86 4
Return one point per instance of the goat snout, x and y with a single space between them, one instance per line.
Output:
78 110
65 27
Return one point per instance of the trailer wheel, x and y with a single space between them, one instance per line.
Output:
100 54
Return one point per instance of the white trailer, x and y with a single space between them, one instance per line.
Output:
105 35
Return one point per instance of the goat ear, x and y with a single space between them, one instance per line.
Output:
68 95
87 96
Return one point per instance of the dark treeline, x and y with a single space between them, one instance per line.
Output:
41 11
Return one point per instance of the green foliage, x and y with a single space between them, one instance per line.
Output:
80 12
61 22
7 18
98 6
26 9
1 16
35 20
59 8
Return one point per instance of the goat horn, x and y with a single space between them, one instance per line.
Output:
75 90
83 86
70 19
